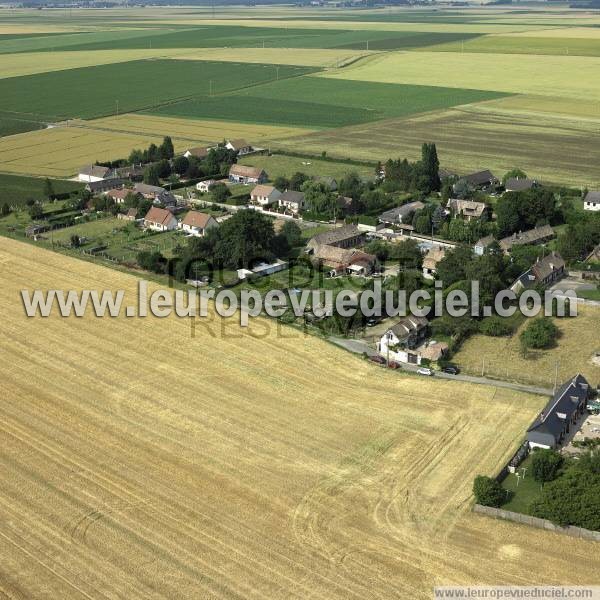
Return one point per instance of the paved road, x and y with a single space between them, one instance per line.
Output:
360 347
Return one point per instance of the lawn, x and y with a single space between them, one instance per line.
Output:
522 490
95 232
108 89
579 339
319 102
278 164
15 190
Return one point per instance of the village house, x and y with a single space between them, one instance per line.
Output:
467 210
400 342
119 195
197 223
198 152
519 184
157 194
398 215
130 215
329 182
535 236
592 201
292 201
560 414
543 273
264 195
240 146
431 260
341 261
481 179
92 173
246 174
160 219
204 186
347 236
483 244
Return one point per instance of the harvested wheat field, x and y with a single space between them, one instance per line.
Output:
139 462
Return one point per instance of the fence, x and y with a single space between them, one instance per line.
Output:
507 515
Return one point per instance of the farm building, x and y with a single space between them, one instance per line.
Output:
262 269
342 261
560 414
264 195
519 184
160 219
92 173
538 235
103 185
246 174
544 272
431 260
347 236
466 210
197 223
396 216
292 201
592 201
240 146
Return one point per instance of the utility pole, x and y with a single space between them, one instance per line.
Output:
483 367
277 71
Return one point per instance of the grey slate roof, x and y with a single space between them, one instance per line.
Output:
480 178
292 196
394 214
592 197
563 405
518 184
336 235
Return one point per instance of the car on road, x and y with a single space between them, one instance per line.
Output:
425 371
451 370
394 365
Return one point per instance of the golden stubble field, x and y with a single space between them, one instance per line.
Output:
139 462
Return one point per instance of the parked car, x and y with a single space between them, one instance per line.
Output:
451 370
377 359
425 371
394 365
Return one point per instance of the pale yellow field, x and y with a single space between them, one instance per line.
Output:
579 340
576 110
28 63
592 33
565 76
60 151
309 57
192 129
139 462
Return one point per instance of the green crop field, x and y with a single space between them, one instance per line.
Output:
523 45
107 89
319 102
